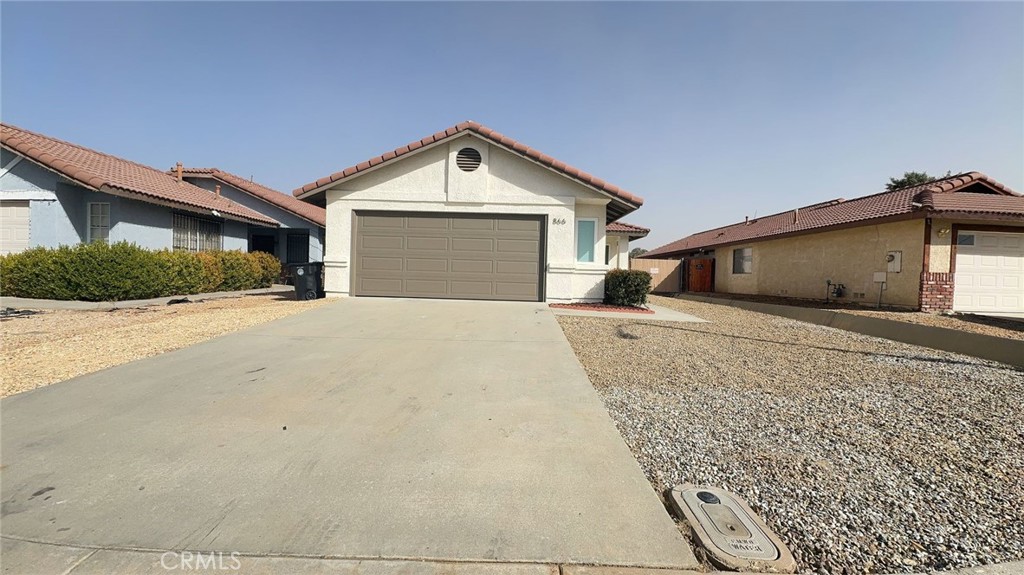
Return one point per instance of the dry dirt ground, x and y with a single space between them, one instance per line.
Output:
971 323
54 346
865 455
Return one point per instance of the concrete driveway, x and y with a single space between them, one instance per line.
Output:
370 428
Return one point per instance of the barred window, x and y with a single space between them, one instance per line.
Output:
194 234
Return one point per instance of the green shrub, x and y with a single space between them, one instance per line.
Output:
270 268
240 271
626 287
213 274
5 272
183 273
124 271
114 272
33 273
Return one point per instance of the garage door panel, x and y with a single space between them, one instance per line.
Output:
473 244
381 285
438 287
382 264
420 243
428 223
519 225
449 256
376 222
514 290
426 265
15 223
989 274
382 243
472 266
472 224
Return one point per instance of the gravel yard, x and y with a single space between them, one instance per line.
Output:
864 455
971 323
57 345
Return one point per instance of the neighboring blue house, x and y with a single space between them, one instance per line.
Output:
300 235
56 193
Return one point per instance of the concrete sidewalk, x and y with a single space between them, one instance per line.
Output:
30 303
368 428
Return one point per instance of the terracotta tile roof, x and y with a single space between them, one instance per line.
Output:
103 172
624 228
288 203
971 203
936 196
579 175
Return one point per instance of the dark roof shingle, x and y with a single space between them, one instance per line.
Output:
288 203
103 172
942 195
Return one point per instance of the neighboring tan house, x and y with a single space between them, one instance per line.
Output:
55 193
469 213
300 236
956 243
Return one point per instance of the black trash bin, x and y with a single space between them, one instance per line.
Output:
308 278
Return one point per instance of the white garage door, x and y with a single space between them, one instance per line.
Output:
989 273
14 225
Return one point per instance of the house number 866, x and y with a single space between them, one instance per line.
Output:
558 221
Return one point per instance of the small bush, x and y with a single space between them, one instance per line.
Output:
213 274
124 271
626 287
270 268
240 271
184 273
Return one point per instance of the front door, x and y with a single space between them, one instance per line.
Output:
700 275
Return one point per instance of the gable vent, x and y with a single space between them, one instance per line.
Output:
467 159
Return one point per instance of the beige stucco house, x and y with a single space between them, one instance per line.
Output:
956 243
469 213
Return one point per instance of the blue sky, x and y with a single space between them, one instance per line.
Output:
709 111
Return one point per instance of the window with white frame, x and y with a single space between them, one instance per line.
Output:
743 261
99 222
586 240
194 234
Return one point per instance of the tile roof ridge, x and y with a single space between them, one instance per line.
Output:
78 146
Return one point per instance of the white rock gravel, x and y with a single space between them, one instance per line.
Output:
864 455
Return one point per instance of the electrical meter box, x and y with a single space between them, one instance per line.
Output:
894 262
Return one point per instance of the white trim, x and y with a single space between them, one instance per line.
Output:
11 164
30 195
576 241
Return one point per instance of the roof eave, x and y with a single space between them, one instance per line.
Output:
139 196
248 193
916 214
623 207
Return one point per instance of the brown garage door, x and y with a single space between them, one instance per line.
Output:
448 256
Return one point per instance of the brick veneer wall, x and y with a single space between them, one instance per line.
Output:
936 292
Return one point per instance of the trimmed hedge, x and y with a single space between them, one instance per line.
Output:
626 287
124 271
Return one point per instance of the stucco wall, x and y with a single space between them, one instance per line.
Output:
287 219
505 183
941 246
58 211
800 265
619 251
